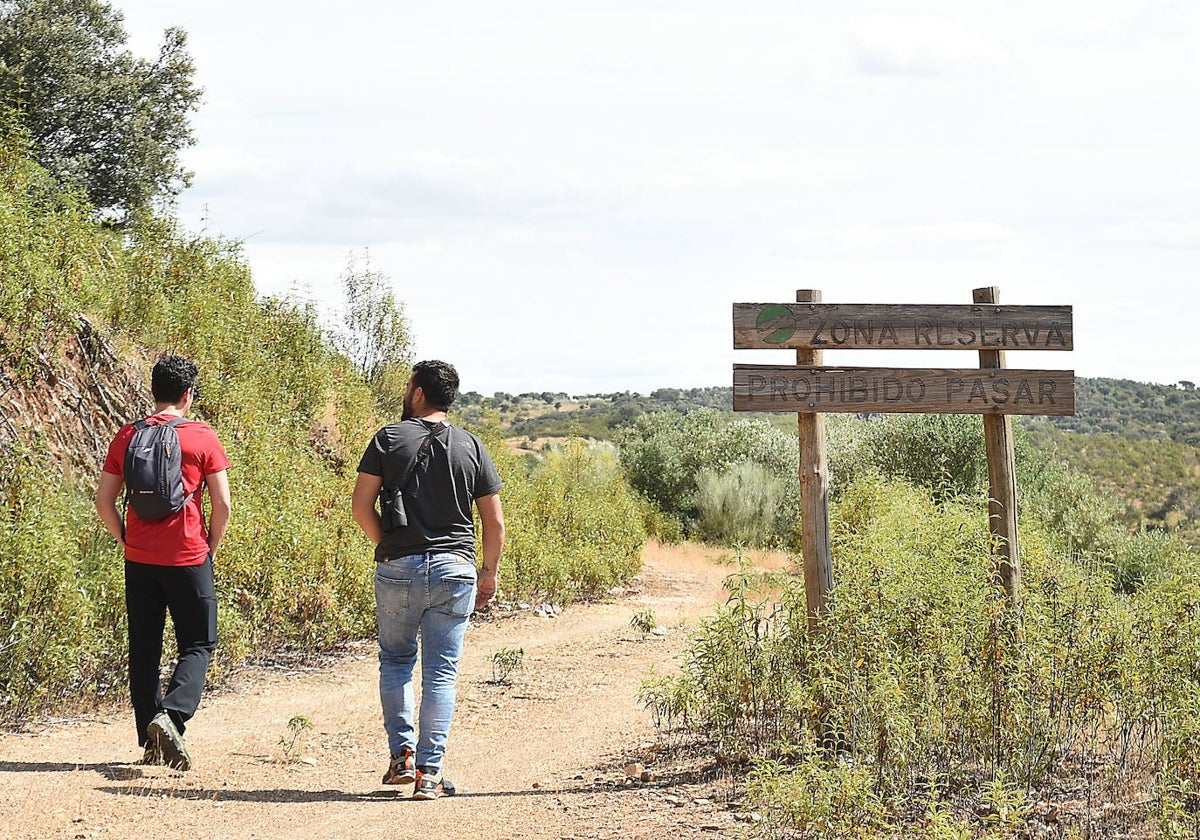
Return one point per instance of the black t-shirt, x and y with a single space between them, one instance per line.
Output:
457 471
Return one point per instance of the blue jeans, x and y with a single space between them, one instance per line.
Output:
430 596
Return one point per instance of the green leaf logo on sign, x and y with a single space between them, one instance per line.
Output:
775 320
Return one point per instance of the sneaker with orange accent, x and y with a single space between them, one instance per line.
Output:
400 769
431 785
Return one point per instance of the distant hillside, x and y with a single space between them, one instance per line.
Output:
597 416
1135 410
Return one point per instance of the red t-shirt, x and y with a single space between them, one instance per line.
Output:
182 538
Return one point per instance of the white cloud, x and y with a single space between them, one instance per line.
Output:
921 46
1182 234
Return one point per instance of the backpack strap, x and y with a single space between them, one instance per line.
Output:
422 455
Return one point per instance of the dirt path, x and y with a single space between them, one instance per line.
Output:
543 757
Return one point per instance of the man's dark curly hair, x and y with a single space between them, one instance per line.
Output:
172 377
439 381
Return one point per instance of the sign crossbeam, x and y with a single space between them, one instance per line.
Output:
831 326
785 388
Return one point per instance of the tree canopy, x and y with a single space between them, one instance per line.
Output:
100 119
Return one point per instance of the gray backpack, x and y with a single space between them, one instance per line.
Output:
154 471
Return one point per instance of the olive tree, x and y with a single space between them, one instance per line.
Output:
100 119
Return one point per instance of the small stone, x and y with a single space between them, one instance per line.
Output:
634 770
646 776
659 631
309 760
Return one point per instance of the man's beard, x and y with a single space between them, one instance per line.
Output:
407 413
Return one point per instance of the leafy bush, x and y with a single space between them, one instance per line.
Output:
665 454
62 598
942 452
574 527
740 505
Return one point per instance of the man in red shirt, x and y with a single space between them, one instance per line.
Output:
169 566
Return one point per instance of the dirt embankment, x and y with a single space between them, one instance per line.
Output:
542 757
67 397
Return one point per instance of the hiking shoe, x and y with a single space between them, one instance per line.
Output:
400 769
432 786
168 742
152 754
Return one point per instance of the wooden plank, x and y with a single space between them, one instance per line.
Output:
829 326
907 390
814 495
1002 475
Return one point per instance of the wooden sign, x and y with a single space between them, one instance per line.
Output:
831 326
810 389
794 389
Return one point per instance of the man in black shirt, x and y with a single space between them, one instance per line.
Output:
426 581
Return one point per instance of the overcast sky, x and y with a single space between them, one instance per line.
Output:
569 196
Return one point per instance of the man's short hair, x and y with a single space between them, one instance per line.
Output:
172 377
439 381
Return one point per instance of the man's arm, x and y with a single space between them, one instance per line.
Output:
106 505
218 496
491 516
362 505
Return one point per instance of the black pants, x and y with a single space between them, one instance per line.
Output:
189 594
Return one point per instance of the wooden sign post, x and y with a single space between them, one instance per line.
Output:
810 388
814 491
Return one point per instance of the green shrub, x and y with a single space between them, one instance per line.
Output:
824 800
574 527
665 454
62 598
1078 518
740 505
944 453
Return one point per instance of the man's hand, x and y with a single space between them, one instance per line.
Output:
485 588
